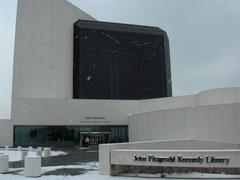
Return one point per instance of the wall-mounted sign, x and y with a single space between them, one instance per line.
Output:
95 119
182 159
177 158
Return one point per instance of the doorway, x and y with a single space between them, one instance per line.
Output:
93 139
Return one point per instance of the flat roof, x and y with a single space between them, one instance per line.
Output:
100 25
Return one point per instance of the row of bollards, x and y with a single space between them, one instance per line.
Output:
32 160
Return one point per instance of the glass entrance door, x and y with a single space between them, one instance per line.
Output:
93 139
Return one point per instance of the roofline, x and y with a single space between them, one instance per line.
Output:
102 25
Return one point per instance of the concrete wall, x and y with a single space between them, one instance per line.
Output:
219 96
173 118
6 132
209 97
184 144
213 122
43 56
168 103
30 111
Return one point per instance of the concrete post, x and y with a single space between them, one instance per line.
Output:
39 152
47 152
23 154
4 163
19 148
32 166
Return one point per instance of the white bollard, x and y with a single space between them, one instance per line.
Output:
19 148
4 163
6 148
39 152
32 153
32 166
23 154
47 152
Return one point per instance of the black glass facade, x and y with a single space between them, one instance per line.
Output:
119 61
68 135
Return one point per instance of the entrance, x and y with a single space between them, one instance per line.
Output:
93 139
69 136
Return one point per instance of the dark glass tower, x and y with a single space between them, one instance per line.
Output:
119 61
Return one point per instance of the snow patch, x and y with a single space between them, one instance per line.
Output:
57 153
17 155
13 155
93 174
89 78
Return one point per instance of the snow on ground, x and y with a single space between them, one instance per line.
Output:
16 155
93 174
13 155
193 175
93 166
57 153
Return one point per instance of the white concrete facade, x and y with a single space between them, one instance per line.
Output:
154 119
70 111
210 115
181 114
43 55
215 122
6 133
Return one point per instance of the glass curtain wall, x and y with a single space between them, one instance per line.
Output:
67 135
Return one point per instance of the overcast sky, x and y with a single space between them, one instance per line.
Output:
204 39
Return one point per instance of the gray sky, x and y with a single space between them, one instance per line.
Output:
204 39
7 30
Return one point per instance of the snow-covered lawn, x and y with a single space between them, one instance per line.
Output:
90 172
93 174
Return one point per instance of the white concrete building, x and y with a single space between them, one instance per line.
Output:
43 108
44 112
209 115
44 49
203 125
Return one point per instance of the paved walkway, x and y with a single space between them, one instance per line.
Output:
74 155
